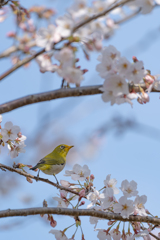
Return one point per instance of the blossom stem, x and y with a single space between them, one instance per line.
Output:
102 188
68 227
80 184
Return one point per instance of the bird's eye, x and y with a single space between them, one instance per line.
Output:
62 147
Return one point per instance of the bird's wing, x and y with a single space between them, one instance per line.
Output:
51 161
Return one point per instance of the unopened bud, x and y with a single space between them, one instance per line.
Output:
82 203
19 134
11 34
92 177
149 79
87 178
145 97
53 223
84 71
45 203
29 179
82 193
134 59
139 100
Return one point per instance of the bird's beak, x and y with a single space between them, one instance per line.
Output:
69 147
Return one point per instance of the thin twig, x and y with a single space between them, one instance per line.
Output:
76 213
2 166
94 17
13 49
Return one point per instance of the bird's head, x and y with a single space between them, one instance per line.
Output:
62 149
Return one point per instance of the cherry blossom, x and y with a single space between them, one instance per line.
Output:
59 235
103 234
115 234
45 63
9 131
78 172
129 188
65 25
46 37
124 207
108 198
139 205
14 150
94 197
116 84
110 53
65 56
111 183
71 75
136 72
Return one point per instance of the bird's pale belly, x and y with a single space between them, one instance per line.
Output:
53 169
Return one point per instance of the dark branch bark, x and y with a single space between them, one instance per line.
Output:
47 96
77 212
25 174
60 93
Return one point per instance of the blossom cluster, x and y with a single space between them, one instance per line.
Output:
130 203
90 37
12 136
118 73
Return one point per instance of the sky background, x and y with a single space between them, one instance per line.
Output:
130 153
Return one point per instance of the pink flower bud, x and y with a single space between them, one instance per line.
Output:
84 71
11 34
92 177
19 134
82 203
134 59
139 100
29 179
149 79
145 97
82 193
53 223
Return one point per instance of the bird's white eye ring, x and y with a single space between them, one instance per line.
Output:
62 147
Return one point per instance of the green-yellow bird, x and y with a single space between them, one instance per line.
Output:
54 162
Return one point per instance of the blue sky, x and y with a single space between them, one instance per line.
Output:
133 155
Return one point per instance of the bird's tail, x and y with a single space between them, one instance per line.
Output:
33 168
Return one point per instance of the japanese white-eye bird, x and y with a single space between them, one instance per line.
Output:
54 162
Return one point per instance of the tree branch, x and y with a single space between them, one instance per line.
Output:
77 212
25 174
28 59
47 96
60 93
94 17
13 49
21 63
